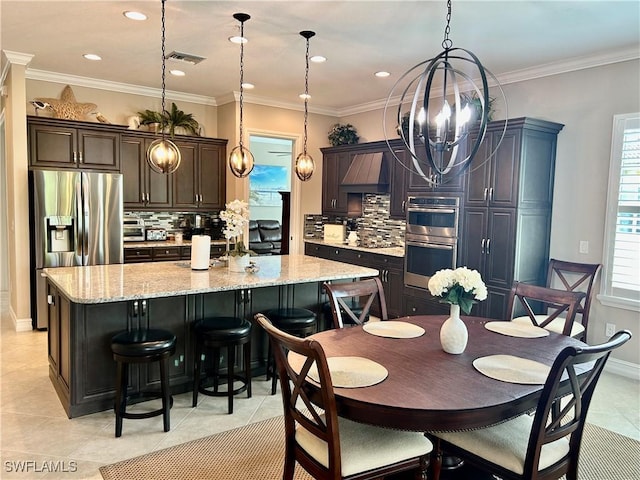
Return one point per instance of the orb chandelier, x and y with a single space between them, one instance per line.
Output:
241 159
163 156
304 162
443 112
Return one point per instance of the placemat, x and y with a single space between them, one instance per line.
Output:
393 329
513 329
346 372
511 369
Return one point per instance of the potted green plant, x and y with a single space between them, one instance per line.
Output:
176 118
475 105
343 135
152 119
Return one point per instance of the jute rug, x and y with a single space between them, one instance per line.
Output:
256 452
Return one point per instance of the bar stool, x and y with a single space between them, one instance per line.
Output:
215 333
142 346
295 321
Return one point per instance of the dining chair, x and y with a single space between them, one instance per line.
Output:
545 445
573 277
544 306
351 302
325 445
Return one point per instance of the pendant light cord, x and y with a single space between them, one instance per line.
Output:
446 42
241 77
163 74
306 98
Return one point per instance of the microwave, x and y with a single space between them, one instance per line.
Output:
133 229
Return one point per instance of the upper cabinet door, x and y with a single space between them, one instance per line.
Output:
51 146
185 178
212 179
99 150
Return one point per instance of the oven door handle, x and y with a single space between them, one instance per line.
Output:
431 245
432 210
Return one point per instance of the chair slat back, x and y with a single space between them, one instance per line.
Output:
319 417
573 277
344 296
550 303
565 400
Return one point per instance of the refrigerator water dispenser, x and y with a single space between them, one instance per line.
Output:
60 234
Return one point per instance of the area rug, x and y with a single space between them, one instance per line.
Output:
256 452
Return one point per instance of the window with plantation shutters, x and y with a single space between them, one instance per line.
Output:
621 280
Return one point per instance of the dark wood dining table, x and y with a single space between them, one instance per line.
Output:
428 389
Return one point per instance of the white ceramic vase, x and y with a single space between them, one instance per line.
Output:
237 263
453 333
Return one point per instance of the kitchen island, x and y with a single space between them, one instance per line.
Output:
88 305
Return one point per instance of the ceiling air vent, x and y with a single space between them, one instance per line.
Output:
185 57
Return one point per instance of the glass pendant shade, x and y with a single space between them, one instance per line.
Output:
241 161
163 156
304 166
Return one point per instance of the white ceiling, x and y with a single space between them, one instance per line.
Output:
514 39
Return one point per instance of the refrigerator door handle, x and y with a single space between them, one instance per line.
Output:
79 227
84 190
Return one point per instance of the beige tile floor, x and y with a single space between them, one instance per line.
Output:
35 429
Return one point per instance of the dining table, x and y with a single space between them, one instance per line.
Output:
427 389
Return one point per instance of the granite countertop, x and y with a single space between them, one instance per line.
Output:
393 251
167 243
120 282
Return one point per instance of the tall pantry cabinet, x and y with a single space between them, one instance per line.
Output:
506 221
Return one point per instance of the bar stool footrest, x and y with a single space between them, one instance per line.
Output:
145 396
204 386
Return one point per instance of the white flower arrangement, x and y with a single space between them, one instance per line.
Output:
461 286
236 218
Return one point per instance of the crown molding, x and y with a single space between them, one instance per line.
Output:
18 58
33 74
269 102
540 71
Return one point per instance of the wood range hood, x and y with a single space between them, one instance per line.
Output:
368 173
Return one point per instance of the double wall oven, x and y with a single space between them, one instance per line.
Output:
431 238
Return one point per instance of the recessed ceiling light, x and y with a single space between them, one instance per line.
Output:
238 39
177 73
135 15
318 59
248 85
305 96
92 56
382 74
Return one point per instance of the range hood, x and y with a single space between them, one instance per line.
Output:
368 173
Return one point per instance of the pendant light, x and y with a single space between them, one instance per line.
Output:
442 129
163 155
304 162
241 159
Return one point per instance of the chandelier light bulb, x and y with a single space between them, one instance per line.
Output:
164 156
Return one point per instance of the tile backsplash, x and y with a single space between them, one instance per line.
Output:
374 227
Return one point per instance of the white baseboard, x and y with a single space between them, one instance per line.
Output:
623 368
20 324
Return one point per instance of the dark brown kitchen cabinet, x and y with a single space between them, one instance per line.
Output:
391 270
506 222
142 186
199 183
81 365
66 144
138 255
335 199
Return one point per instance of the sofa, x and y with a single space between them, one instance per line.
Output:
265 237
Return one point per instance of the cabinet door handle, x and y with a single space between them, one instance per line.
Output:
200 198
488 246
491 194
81 157
482 244
404 204
135 308
144 308
485 193
51 300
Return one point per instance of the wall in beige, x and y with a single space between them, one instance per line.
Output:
585 101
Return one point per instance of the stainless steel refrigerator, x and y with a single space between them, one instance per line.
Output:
76 220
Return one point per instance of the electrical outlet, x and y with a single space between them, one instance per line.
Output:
610 329
584 246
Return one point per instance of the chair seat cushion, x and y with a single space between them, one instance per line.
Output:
556 325
221 328
291 317
505 444
365 447
142 342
